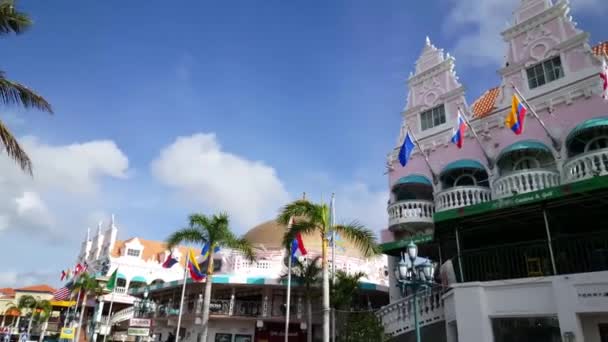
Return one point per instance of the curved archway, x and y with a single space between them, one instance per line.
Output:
525 155
412 187
579 139
464 172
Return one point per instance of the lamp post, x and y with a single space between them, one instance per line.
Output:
414 276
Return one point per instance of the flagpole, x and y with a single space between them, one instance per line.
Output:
426 158
554 140
181 301
483 149
287 310
333 261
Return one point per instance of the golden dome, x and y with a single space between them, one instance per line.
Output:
269 235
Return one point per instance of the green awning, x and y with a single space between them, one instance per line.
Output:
139 279
524 145
585 125
121 276
414 178
463 164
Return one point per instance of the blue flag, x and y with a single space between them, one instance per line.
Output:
406 149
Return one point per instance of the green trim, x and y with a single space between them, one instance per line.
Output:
139 278
401 244
367 286
259 281
414 179
221 279
528 198
595 122
121 276
463 164
524 145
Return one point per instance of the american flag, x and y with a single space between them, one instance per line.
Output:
62 294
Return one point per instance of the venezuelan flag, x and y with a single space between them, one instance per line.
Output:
515 118
195 271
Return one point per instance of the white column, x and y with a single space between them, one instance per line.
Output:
472 314
566 298
231 308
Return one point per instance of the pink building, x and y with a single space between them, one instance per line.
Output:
472 209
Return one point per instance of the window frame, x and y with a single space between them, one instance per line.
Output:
129 250
433 117
544 72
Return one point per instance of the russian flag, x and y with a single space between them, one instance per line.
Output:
297 247
170 261
458 137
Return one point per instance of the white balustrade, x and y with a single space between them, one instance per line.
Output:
122 315
586 165
120 290
410 211
521 182
461 196
398 318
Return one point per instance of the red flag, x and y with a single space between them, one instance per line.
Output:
78 269
63 275
604 76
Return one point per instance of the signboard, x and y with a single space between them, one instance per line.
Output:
67 333
140 322
138 332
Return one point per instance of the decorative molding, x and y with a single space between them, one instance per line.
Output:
557 10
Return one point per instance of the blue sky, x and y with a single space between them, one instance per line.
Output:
270 99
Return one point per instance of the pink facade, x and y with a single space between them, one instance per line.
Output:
541 32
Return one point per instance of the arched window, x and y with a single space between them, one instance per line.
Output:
464 180
526 163
597 143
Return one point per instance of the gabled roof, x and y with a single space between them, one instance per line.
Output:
37 288
152 249
486 103
7 291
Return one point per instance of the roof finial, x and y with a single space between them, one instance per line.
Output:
99 227
112 221
428 41
304 196
88 234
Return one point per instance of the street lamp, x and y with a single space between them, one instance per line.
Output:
144 307
414 276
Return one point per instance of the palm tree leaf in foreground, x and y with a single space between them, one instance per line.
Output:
11 20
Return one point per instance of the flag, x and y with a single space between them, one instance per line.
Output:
297 247
458 137
406 149
170 261
61 294
604 76
515 118
205 251
64 275
195 271
112 281
78 269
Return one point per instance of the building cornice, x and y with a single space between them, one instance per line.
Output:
555 11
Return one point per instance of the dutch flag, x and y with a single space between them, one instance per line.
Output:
297 245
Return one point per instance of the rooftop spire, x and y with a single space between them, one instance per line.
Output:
99 228
428 41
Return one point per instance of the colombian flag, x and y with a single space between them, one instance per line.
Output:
195 271
515 118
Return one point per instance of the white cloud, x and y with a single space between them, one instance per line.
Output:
198 168
356 201
64 172
483 20
22 279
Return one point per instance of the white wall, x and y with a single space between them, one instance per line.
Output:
590 326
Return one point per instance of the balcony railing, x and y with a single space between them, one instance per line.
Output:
521 182
572 253
219 307
461 196
411 211
586 165
398 317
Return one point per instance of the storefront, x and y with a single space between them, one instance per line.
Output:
275 332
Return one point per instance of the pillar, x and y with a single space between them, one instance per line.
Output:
231 309
566 300
472 319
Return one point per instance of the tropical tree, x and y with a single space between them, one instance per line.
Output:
85 285
12 308
306 273
345 289
14 93
313 218
214 231
26 304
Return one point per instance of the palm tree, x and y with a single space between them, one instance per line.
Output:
215 231
27 303
13 93
13 308
314 218
43 313
344 289
306 274
85 285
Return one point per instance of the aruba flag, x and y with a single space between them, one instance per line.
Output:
195 271
458 136
515 118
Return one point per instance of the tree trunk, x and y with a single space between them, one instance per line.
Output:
4 318
29 324
309 319
44 327
207 298
84 302
18 321
325 291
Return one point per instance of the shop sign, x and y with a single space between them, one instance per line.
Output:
138 332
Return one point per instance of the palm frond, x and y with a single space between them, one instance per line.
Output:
14 150
199 221
26 302
191 235
299 208
242 245
12 20
299 226
13 93
360 236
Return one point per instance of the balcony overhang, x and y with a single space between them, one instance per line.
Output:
554 194
394 247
